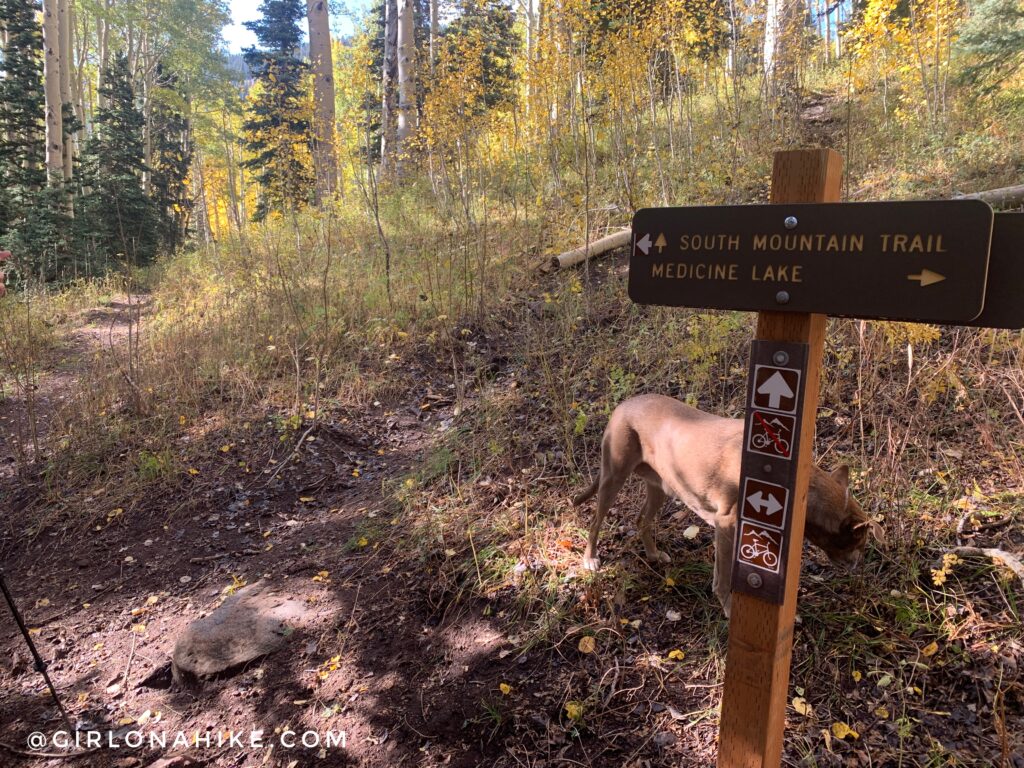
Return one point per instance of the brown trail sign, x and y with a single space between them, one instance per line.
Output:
796 261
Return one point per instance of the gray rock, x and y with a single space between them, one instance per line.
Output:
255 621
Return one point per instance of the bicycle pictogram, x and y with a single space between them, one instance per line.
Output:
760 547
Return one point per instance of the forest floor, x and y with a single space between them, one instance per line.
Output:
416 672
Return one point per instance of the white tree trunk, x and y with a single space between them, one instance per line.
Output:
389 73
325 160
51 78
64 27
433 34
772 27
406 76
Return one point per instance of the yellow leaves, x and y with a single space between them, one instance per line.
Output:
226 447
363 541
939 575
139 629
587 644
841 730
307 499
323 577
930 650
193 471
331 665
801 706
856 675
669 581
882 712
505 689
676 654
574 710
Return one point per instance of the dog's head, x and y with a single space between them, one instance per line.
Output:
835 521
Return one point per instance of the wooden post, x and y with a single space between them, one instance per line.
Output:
761 633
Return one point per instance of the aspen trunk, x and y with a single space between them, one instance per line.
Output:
433 34
51 78
79 43
406 76
325 161
64 33
389 74
772 12
103 35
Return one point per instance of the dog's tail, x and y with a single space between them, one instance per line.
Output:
577 500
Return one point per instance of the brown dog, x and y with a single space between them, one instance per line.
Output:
695 456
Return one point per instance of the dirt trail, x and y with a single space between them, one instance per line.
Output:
376 659
26 412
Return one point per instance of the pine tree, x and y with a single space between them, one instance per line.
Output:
172 158
31 222
277 128
993 39
491 22
118 221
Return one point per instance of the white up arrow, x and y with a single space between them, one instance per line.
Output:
769 505
776 388
644 244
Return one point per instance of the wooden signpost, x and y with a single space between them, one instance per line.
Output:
796 261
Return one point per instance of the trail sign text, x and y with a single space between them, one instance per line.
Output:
918 260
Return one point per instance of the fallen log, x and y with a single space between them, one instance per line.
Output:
1004 196
596 248
1006 559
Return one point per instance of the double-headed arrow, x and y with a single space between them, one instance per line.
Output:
769 505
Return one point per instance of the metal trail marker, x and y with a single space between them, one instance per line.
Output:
795 261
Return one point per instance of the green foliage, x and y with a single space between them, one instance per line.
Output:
32 221
172 158
116 219
993 40
277 129
486 29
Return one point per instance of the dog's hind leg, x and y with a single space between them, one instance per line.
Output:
655 501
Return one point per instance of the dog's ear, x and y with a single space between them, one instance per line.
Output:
841 475
875 529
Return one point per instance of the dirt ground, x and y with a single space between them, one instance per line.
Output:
409 673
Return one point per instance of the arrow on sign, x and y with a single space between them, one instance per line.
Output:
644 244
661 242
927 277
768 505
776 388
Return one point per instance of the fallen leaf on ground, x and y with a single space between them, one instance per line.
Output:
841 730
587 644
800 705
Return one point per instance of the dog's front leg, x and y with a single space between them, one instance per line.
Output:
725 534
